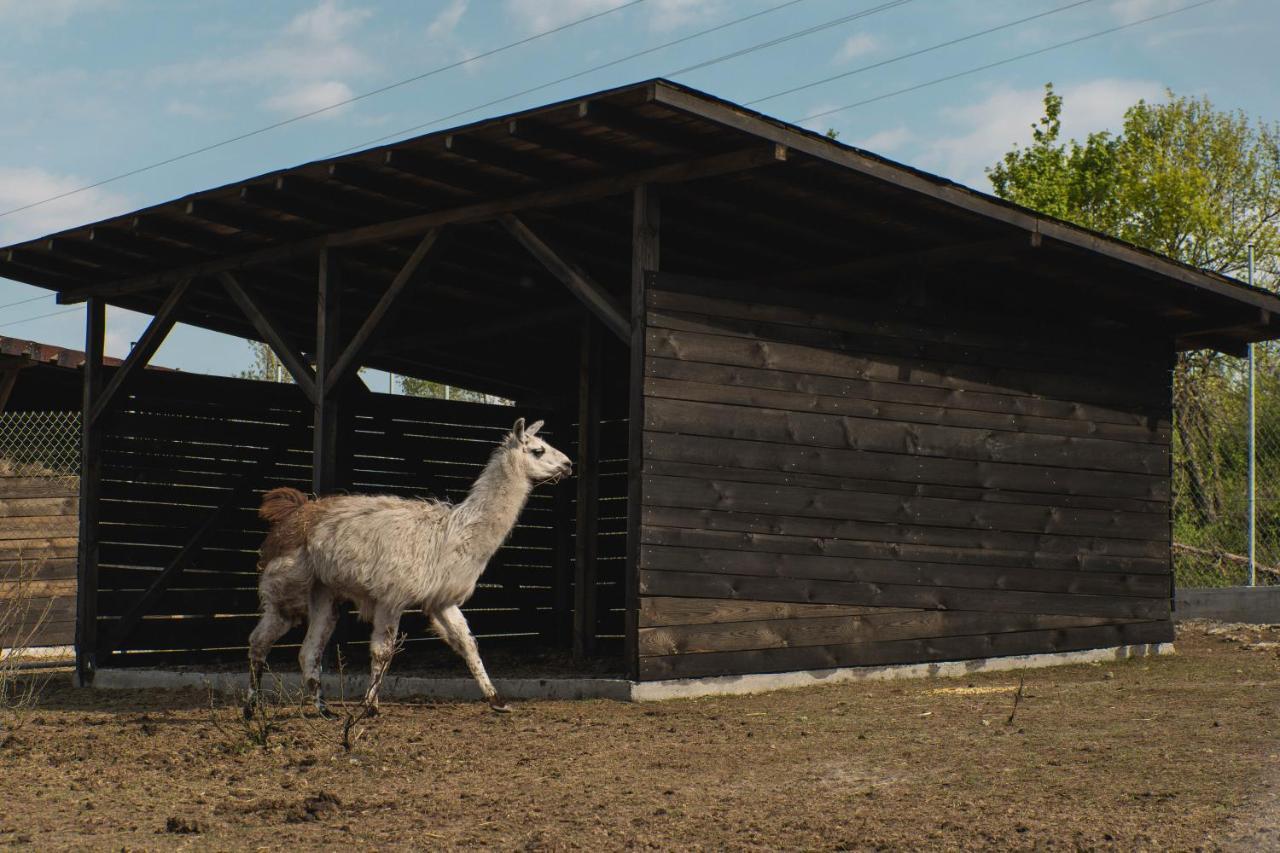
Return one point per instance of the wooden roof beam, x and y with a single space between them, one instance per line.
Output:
327 195
96 255
385 186
246 220
576 145
188 236
317 215
613 117
139 248
44 264
597 300
449 176
753 157
523 164
952 194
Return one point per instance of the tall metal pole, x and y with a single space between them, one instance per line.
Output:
1253 508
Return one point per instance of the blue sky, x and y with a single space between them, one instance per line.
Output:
94 88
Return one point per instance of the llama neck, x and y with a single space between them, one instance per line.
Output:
486 517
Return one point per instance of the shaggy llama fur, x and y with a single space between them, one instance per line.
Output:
389 554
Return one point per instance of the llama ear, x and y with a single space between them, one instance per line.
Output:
533 429
518 429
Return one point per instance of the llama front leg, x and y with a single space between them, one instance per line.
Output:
271 627
382 646
322 617
452 626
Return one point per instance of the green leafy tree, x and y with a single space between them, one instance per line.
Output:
1200 185
265 366
440 391
1181 178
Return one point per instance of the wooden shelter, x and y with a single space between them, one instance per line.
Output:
826 410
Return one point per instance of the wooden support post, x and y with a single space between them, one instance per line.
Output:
588 462
8 379
324 449
330 470
142 351
90 477
645 230
562 602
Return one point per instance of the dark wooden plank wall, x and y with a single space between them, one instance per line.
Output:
180 445
856 481
611 533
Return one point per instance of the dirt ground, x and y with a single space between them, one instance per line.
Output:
1175 753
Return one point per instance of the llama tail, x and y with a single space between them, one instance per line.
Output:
278 504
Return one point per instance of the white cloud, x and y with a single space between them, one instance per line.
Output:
990 127
663 15
32 15
886 141
538 15
673 14
1128 11
309 97
311 54
855 46
327 23
23 186
190 109
444 24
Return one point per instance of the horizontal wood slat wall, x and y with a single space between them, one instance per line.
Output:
180 445
39 529
840 482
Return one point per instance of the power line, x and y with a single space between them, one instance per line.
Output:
916 53
25 301
1010 59
612 63
884 7
39 317
301 116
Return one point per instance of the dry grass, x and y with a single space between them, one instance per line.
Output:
1175 753
25 604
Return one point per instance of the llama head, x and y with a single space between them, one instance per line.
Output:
541 461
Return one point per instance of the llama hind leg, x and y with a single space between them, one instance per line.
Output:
271 627
382 646
452 627
321 620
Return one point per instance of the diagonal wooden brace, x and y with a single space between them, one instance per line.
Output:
269 328
598 300
350 356
146 347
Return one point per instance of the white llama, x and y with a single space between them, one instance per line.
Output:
386 554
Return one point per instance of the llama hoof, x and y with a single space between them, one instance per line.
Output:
371 711
324 712
499 706
248 710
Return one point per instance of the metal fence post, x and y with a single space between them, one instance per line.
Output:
1252 504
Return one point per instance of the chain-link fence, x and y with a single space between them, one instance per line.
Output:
40 444
39 487
1211 469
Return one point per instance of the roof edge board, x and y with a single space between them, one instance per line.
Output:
730 115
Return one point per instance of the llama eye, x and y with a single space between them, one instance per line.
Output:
538 451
